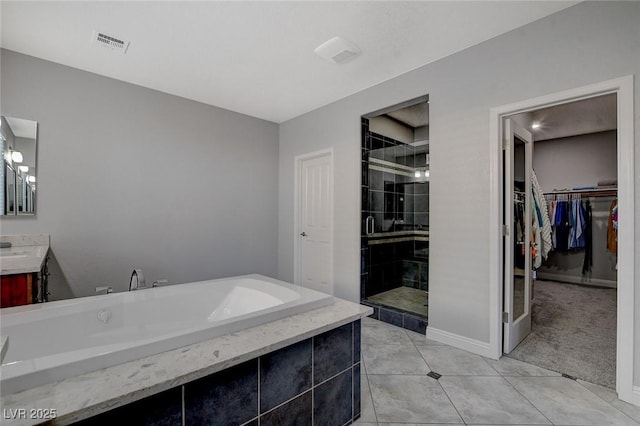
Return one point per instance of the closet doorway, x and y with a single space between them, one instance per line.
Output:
573 286
565 233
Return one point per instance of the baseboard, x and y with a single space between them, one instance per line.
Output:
576 280
635 396
461 342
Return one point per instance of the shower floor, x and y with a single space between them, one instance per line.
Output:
404 298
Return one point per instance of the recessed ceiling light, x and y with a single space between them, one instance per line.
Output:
535 126
337 50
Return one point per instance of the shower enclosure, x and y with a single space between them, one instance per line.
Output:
395 212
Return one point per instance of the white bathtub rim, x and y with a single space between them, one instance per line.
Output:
17 377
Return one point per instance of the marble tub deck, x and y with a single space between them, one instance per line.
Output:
83 396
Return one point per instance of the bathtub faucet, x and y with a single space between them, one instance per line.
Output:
136 282
106 289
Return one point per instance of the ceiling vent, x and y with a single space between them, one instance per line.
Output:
110 42
337 50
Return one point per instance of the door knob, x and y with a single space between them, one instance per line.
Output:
304 234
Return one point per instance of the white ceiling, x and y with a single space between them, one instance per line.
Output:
257 58
22 128
598 114
413 116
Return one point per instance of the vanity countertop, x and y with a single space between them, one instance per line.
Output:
27 254
86 395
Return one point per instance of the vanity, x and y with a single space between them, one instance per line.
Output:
24 270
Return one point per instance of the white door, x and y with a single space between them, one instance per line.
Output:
518 155
314 233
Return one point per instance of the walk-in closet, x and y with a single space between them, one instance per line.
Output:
569 197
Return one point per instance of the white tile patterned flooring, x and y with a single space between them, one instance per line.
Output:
472 390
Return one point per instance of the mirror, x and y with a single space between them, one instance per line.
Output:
18 140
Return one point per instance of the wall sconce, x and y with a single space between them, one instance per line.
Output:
16 156
417 174
23 169
32 179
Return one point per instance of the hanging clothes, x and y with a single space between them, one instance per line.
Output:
578 223
552 214
588 240
562 225
544 222
536 238
612 227
518 249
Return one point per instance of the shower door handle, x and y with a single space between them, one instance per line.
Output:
369 225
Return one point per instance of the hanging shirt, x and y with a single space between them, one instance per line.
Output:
563 225
536 239
612 228
578 223
546 242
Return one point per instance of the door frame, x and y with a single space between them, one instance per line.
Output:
298 160
623 87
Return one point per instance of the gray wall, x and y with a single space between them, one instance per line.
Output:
130 177
574 162
584 44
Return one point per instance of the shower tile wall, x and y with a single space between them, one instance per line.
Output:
396 203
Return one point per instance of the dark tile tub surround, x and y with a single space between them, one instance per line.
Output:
163 409
236 386
312 382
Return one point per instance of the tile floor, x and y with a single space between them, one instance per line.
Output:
472 390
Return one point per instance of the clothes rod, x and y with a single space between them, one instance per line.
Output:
597 192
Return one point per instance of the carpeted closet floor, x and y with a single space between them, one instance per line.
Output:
573 332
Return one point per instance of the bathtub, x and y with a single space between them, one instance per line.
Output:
56 340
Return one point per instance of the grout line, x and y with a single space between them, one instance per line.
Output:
259 405
607 402
353 370
313 379
527 399
373 406
492 367
184 413
420 353
286 402
451 402
333 377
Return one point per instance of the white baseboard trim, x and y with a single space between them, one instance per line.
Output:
635 396
461 342
576 280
